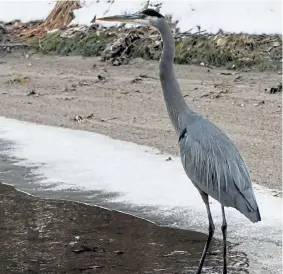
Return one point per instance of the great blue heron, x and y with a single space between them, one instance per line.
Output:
209 157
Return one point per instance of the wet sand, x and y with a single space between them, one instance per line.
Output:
117 102
51 236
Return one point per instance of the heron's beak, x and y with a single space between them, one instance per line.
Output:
129 18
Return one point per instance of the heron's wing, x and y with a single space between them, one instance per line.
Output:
214 165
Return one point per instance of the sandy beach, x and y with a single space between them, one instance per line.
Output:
125 102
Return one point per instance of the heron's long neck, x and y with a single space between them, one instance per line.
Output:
175 103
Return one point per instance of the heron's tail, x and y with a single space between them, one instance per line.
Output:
253 216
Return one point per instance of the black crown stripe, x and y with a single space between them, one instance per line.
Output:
152 12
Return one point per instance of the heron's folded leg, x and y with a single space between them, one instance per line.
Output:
224 232
211 229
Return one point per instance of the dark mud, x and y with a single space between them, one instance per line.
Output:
52 236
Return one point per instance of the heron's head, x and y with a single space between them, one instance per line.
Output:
147 17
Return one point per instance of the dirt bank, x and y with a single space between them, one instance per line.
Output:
126 102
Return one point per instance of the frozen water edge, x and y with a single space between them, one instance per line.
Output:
88 161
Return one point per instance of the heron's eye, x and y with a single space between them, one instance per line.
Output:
143 16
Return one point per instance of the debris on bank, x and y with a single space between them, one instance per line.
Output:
117 45
274 90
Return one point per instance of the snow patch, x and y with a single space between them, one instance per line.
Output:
250 16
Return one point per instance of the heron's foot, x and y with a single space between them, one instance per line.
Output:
225 269
199 270
224 266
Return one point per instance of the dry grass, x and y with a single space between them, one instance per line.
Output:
233 51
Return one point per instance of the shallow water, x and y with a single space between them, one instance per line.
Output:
53 236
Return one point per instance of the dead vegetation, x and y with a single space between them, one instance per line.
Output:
59 18
119 44
233 51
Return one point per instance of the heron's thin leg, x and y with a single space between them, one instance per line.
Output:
224 232
211 229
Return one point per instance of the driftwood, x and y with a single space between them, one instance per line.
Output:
60 17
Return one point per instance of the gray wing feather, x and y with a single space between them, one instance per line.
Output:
214 165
